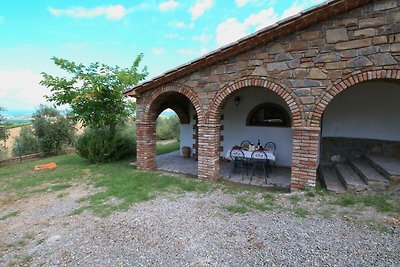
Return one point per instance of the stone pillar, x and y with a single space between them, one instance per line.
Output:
208 150
146 145
305 157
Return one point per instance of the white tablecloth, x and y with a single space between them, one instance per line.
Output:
247 154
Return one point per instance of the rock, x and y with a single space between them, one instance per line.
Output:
295 63
259 71
370 22
393 17
383 59
328 57
276 48
311 35
383 5
364 32
255 62
307 100
337 35
304 83
278 66
354 44
367 50
359 62
317 74
283 57
349 53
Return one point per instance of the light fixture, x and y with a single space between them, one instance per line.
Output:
236 101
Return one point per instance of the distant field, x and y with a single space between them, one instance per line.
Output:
14 123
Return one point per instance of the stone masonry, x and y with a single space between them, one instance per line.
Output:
306 67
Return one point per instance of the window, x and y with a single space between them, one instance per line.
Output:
268 114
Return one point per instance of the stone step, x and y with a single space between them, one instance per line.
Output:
350 179
387 166
369 175
331 180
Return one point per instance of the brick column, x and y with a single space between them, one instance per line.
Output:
146 145
208 150
304 157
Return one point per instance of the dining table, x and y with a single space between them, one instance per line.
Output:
247 154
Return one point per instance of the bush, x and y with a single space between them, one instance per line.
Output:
167 128
101 145
29 143
54 131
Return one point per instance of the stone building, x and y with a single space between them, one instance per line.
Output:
331 73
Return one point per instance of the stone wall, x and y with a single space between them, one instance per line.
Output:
348 148
307 69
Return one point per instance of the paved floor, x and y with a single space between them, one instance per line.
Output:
174 162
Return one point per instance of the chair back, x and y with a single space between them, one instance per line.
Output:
245 144
236 154
259 156
270 146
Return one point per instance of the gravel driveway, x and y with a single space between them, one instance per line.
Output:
185 230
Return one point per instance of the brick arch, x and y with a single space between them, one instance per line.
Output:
149 101
248 81
347 82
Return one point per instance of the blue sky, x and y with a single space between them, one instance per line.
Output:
168 32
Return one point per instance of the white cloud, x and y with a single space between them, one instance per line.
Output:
199 8
157 51
168 5
298 6
203 38
111 12
177 24
241 3
21 89
231 29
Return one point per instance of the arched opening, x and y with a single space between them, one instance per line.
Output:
359 124
168 119
257 114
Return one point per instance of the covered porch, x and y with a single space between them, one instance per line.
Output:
279 178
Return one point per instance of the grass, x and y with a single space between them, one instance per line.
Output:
169 147
116 181
249 201
11 214
381 202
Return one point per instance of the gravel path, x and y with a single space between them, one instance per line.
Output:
186 230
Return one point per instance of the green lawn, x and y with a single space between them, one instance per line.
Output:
120 185
118 180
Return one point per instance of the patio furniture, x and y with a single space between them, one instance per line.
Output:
247 154
238 160
245 144
270 146
259 159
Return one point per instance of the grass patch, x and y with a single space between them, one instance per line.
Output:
315 191
300 212
294 199
166 148
9 215
250 201
381 202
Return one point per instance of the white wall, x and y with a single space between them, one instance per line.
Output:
186 133
368 110
235 129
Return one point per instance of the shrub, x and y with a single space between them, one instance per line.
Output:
27 141
54 131
101 145
167 128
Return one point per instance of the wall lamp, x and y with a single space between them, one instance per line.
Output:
236 101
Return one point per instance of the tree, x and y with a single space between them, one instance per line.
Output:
4 134
95 93
53 130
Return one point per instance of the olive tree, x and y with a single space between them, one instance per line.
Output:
95 92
